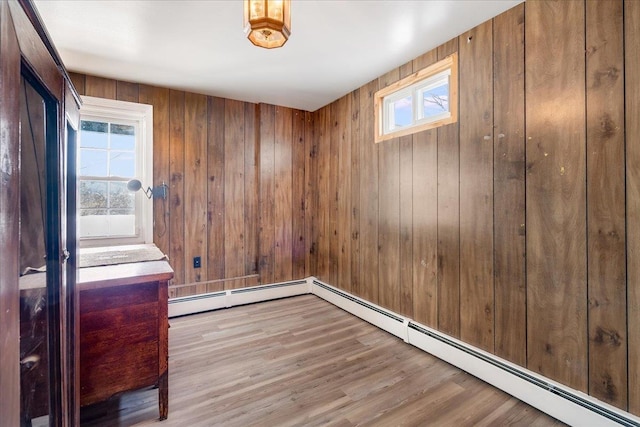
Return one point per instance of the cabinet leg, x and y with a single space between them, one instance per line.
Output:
163 395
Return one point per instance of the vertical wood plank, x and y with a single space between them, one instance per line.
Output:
556 199
266 237
323 145
251 223
354 142
100 87
632 112
448 219
406 215
78 81
176 186
425 217
341 133
298 210
233 193
126 91
159 98
195 188
606 202
311 195
334 164
368 196
476 186
215 191
389 214
283 205
509 186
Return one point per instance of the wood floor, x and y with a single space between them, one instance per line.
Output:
302 361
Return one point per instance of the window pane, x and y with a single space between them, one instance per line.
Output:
122 225
94 212
111 155
122 164
106 209
435 100
123 137
94 134
123 142
120 197
121 212
99 225
92 162
402 112
122 129
93 194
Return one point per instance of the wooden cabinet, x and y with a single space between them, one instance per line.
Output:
38 115
124 330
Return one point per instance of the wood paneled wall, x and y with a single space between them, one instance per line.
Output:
236 176
515 229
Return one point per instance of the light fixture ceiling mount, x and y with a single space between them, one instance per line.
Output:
267 23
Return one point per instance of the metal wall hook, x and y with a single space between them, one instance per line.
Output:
159 192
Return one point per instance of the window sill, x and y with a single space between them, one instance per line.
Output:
124 254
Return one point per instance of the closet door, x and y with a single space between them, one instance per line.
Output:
37 297
40 258
9 219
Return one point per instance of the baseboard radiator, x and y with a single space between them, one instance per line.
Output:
561 402
182 306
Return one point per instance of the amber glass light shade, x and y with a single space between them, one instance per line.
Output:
267 23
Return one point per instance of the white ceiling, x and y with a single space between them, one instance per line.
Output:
199 46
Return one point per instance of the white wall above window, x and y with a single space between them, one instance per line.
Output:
117 147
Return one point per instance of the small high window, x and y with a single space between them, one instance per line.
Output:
115 145
424 100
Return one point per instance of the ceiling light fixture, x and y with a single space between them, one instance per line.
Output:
267 23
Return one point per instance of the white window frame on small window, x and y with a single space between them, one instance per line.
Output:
141 117
414 86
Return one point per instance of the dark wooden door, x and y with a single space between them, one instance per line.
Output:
37 316
9 218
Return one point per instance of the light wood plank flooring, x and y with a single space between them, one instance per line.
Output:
301 361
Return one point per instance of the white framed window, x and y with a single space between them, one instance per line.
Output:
423 100
115 145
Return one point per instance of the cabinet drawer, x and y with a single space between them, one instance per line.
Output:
119 340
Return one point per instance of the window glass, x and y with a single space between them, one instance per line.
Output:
435 101
106 206
94 134
115 145
92 162
123 137
93 197
402 112
122 164
423 100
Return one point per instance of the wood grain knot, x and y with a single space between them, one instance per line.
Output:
605 337
609 75
607 126
607 389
